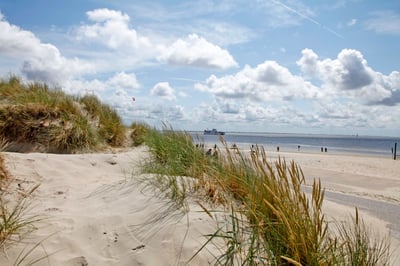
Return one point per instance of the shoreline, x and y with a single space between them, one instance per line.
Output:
246 147
379 146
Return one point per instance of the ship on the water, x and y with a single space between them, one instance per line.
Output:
213 132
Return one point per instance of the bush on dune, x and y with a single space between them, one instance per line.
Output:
35 117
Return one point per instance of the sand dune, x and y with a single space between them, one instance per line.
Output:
98 211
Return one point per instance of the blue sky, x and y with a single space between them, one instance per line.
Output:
330 67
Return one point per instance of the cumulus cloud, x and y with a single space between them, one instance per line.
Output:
198 52
111 28
350 75
228 107
40 61
348 72
267 81
165 113
120 81
163 90
124 80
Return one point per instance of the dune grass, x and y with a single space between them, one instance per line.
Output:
3 170
272 221
36 117
109 122
14 223
138 132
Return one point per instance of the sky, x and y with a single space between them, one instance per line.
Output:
288 66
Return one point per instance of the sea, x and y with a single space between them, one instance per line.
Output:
366 145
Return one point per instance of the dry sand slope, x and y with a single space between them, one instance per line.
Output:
97 213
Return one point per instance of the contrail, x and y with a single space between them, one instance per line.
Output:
307 17
187 79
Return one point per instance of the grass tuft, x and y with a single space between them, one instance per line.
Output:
138 133
13 221
272 221
109 123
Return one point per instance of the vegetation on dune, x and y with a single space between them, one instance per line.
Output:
109 122
14 222
272 220
138 132
3 171
36 117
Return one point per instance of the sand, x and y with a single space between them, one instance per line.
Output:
98 211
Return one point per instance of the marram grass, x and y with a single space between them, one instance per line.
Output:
272 221
36 117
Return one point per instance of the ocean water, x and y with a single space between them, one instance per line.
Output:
369 145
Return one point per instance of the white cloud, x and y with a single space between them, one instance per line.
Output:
124 80
120 82
165 113
352 115
268 81
40 61
198 52
104 14
352 22
308 62
349 75
163 90
220 33
111 28
228 106
386 22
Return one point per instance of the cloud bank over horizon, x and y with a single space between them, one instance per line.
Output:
191 79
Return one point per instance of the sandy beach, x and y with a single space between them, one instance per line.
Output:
98 211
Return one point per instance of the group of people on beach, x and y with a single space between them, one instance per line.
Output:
214 151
